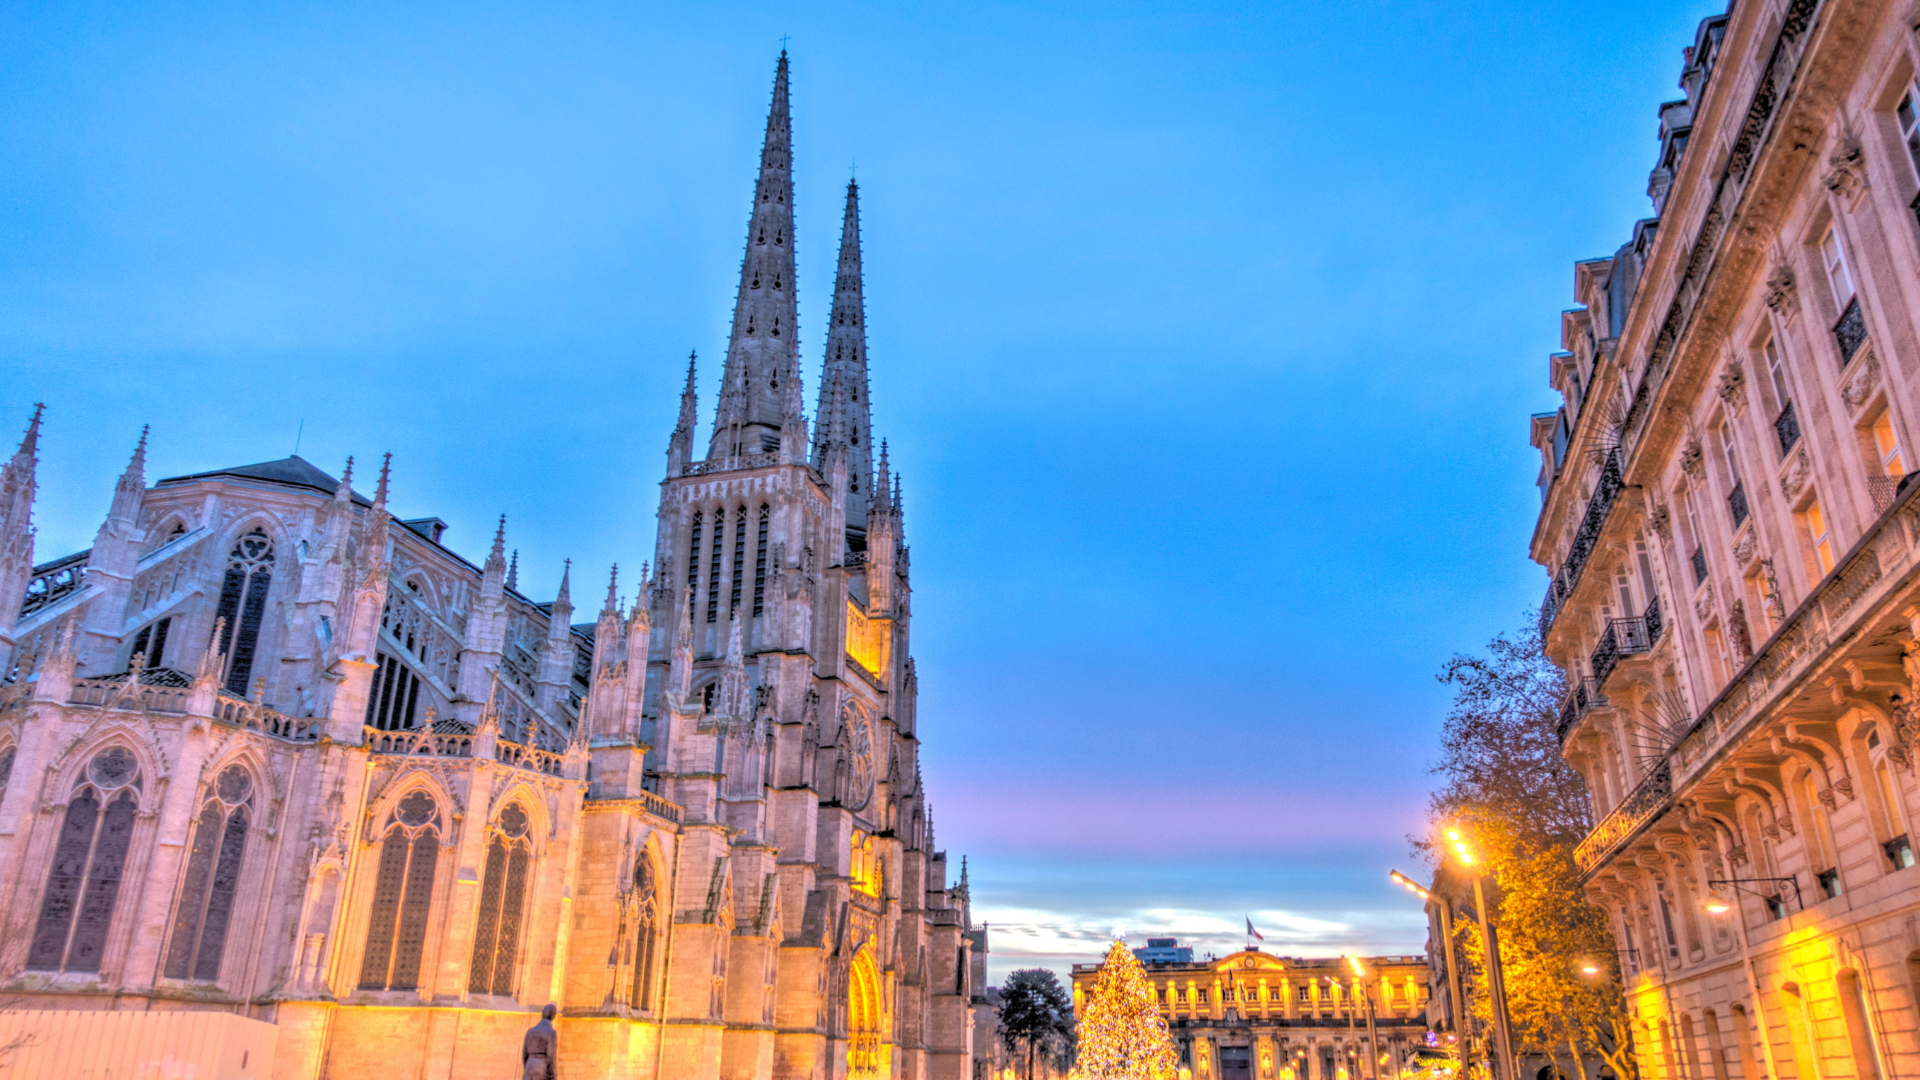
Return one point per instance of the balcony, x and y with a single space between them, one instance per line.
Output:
1626 637
1598 507
1850 332
1786 427
1582 697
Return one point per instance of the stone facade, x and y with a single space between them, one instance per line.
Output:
1736 555
268 750
1256 1016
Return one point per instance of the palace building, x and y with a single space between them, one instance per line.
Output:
268 751
1732 531
1256 1016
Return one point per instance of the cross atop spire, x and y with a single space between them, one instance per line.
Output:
842 420
762 352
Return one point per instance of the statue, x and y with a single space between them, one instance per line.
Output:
538 1050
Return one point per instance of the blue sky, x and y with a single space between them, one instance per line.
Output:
1204 336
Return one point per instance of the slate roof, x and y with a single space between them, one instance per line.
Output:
292 471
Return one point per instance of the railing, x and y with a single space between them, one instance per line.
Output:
422 742
1786 428
854 559
742 461
1626 637
1582 696
1882 489
257 717
943 916
528 757
1643 804
1598 507
116 693
54 580
660 807
1850 332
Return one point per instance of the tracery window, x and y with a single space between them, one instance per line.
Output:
739 559
88 861
402 896
693 564
213 879
503 901
395 695
864 865
6 768
760 562
151 642
646 932
243 604
713 566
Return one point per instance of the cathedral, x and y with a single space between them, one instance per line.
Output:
270 752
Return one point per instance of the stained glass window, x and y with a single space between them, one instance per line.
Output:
402 896
243 604
83 885
212 881
496 938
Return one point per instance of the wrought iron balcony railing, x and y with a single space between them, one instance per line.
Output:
1584 695
1786 427
1599 505
1882 490
1850 332
1626 637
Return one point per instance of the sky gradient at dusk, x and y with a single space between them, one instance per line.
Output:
1204 336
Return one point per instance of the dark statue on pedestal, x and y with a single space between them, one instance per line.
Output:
538 1049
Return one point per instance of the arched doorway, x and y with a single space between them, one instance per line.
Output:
863 1017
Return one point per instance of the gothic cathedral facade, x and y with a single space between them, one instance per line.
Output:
269 750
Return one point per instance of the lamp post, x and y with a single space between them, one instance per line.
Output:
1718 907
1489 939
1456 1005
1373 1036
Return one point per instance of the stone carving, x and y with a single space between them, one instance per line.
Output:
1846 171
1660 521
1743 546
1794 476
1844 786
1776 611
1827 799
1866 377
1703 604
1690 458
1781 290
1733 388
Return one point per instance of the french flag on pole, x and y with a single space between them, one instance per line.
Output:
1252 931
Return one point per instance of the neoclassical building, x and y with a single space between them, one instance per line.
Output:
269 750
1256 1016
1733 533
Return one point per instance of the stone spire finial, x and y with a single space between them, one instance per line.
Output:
380 489
762 351
499 552
680 444
842 419
132 485
513 573
30 442
374 545
613 592
344 493
564 598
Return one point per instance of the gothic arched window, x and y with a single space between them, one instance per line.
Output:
402 896
151 642
646 932
693 564
760 562
88 862
213 879
739 559
243 604
6 768
503 902
713 566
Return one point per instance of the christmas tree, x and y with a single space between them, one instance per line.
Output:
1121 1034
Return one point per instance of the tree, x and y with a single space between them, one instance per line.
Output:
1524 809
1036 1011
1122 1036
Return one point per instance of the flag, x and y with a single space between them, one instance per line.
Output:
1252 931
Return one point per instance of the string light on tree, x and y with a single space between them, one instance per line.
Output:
1121 1034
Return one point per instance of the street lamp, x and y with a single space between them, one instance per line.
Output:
1373 1041
1489 938
1455 1003
1719 906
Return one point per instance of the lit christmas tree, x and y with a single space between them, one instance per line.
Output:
1121 1034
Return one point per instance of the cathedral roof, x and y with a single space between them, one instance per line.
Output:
293 471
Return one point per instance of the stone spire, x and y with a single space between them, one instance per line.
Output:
556 653
513 573
763 352
841 420
17 486
680 445
493 575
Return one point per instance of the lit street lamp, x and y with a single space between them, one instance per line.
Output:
1719 907
1373 1039
1489 938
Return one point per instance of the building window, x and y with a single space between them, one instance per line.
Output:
503 901
1834 260
1203 997
1887 445
693 565
760 562
402 896
213 879
1182 996
1908 117
88 861
1819 541
394 696
713 566
243 604
646 932
6 769
739 560
1829 882
1736 494
151 643
1306 992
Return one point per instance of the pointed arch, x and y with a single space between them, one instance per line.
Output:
209 888
503 902
650 910
242 608
90 857
863 1016
403 890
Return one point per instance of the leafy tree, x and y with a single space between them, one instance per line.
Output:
1036 1011
1524 809
1122 1036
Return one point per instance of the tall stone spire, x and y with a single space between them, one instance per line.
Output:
17 485
680 445
842 421
763 353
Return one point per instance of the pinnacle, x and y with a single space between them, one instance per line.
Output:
345 490
613 592
499 553
30 442
513 573
565 596
380 491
